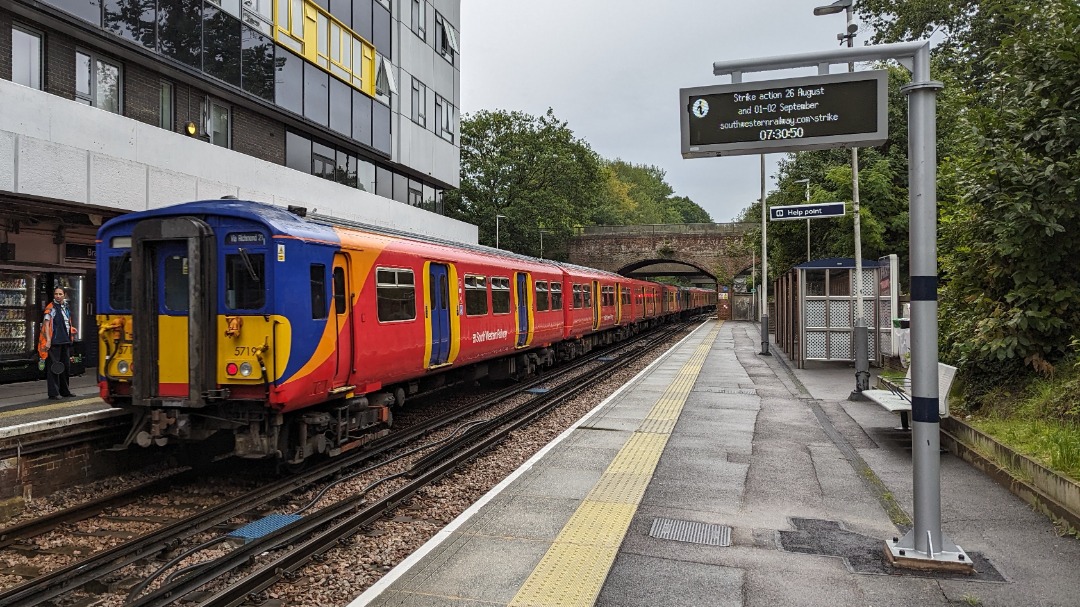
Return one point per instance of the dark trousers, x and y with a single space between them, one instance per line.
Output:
58 382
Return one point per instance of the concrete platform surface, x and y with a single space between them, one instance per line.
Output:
800 481
25 406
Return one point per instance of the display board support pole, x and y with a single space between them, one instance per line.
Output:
924 547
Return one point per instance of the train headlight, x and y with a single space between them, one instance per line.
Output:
230 368
123 367
245 369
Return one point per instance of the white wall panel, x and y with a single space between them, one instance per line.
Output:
117 183
169 187
208 189
23 111
50 169
7 161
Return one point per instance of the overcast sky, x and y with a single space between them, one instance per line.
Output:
612 69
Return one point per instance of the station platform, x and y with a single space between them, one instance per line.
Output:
25 406
722 477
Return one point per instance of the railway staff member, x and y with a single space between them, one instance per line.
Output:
54 345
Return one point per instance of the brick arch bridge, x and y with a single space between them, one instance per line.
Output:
716 252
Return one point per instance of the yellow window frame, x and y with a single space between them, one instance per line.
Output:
309 30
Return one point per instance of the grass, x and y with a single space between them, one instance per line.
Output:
1041 421
1054 445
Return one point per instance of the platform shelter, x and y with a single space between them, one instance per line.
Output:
815 305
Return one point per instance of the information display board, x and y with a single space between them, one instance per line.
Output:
815 112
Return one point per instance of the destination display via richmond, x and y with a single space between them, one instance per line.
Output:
834 110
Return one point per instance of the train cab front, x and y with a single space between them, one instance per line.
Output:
161 332
156 329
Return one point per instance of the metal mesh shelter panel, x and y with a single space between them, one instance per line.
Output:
840 346
840 313
815 313
815 344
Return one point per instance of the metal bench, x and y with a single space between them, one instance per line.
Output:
896 397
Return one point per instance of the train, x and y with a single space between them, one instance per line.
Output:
259 332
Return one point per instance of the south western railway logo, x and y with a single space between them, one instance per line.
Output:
482 336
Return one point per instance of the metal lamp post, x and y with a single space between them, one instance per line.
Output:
861 337
497 218
807 182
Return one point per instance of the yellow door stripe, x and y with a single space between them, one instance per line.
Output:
573 570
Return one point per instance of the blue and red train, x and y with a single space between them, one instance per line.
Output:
277 336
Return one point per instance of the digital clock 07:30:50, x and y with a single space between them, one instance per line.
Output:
791 133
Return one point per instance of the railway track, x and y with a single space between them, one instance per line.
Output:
169 537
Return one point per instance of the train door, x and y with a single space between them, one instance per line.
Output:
343 319
439 315
618 303
596 304
174 317
522 309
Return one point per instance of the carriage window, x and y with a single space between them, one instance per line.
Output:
120 282
556 296
318 290
176 283
586 295
340 304
475 295
625 296
576 303
541 295
396 293
500 295
244 285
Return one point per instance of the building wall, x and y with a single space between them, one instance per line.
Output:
60 65
5 45
417 156
142 90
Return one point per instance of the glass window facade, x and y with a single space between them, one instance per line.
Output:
218 124
97 81
87 10
134 21
179 26
166 110
341 107
314 58
257 63
221 45
289 82
316 94
26 57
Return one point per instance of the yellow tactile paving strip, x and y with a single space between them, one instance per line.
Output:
48 408
573 570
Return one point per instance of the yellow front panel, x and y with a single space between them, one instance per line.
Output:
268 337
173 349
114 344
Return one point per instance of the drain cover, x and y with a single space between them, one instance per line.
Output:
690 531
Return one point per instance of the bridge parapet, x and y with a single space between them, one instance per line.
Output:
718 251
664 229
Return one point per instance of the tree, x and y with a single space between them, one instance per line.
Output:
532 170
1013 292
653 199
